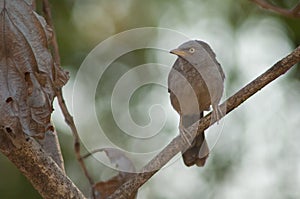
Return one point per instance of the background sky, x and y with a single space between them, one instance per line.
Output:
256 154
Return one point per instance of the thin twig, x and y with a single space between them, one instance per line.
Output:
178 144
69 120
296 9
91 153
288 13
68 117
48 17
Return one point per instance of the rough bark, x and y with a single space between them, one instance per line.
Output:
38 167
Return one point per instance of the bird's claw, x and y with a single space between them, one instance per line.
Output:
217 114
185 134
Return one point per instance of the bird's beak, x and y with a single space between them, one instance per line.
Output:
178 52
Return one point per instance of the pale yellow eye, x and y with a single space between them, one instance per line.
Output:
192 50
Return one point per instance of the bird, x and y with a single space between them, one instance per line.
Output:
195 83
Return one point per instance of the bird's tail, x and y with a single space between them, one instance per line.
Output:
198 152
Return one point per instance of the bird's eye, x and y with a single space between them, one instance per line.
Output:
192 50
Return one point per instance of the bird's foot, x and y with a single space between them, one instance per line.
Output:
217 114
185 133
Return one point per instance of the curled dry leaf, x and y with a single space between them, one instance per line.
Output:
123 163
28 75
106 188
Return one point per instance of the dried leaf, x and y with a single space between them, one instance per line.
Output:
106 188
28 75
123 163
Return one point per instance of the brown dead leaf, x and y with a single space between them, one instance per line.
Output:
106 188
123 163
28 75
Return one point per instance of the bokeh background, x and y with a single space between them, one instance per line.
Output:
257 154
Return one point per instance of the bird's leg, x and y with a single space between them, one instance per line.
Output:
217 113
184 132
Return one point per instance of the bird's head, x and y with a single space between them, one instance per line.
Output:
194 51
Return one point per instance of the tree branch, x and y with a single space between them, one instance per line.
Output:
48 18
179 144
38 167
68 117
294 12
50 144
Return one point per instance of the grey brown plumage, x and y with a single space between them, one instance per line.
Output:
195 82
